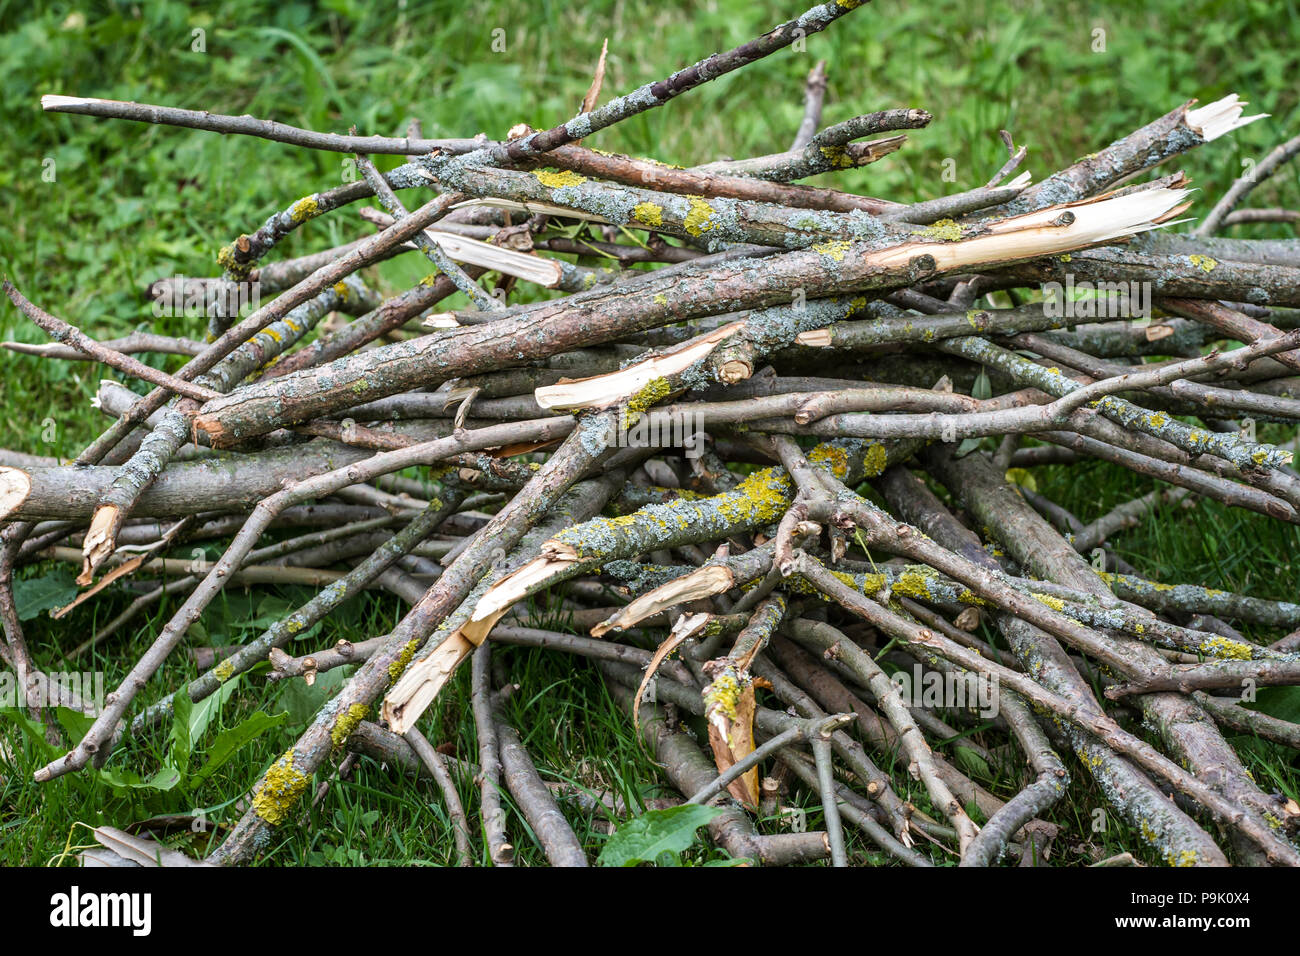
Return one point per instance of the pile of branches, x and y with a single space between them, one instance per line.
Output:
784 442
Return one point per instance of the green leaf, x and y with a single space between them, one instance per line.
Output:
655 832
33 730
164 779
982 389
182 738
970 761
208 708
1022 477
302 701
122 782
34 595
1280 702
74 722
229 742
967 446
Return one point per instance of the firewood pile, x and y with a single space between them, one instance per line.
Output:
754 437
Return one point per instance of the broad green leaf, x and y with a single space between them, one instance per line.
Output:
34 595
1022 477
207 709
970 761
645 837
229 742
182 735
122 782
164 779
302 701
74 722
33 730
1280 702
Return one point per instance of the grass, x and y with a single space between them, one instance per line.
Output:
130 203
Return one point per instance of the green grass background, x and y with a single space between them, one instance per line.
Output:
131 203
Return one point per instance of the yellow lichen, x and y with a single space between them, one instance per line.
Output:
915 582
395 669
831 457
648 213
1204 263
225 670
347 723
722 696
304 209
835 249
1055 603
945 230
1226 648
653 392
283 785
874 461
558 180
837 156
760 498
700 219
869 583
